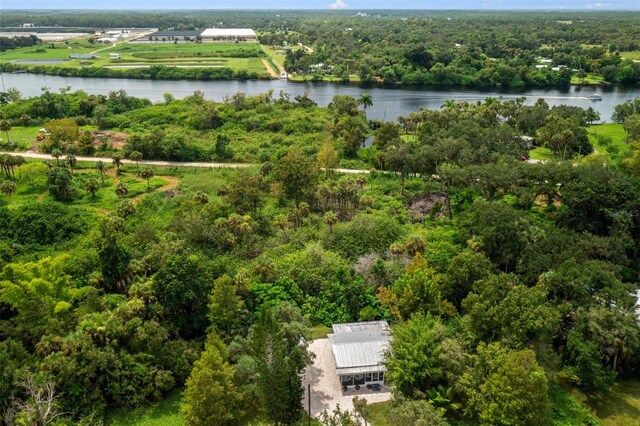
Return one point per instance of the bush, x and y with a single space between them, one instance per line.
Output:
366 233
42 223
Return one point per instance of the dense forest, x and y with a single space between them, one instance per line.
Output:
507 283
441 48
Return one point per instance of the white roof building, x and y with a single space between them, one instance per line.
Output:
359 349
229 34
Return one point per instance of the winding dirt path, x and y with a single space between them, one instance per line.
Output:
270 69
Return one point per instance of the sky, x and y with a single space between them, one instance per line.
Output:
324 4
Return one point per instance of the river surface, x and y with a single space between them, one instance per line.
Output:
388 103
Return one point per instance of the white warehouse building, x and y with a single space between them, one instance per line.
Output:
212 35
359 349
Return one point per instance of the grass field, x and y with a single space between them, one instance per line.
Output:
320 332
236 56
589 79
631 55
541 153
26 136
618 407
600 134
162 413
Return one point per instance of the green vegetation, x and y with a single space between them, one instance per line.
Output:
165 412
439 48
620 406
631 55
123 285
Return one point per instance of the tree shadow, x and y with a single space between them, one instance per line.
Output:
614 403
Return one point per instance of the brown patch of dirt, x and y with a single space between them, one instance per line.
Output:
116 139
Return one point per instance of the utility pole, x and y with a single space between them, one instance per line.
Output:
309 401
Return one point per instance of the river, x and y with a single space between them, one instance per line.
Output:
388 103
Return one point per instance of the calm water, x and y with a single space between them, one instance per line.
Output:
388 103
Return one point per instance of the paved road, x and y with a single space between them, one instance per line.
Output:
163 163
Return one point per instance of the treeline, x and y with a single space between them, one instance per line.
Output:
477 49
10 43
153 72
498 49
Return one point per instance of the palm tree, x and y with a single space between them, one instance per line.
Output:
136 156
448 103
101 168
8 188
56 153
92 186
71 162
147 174
366 100
117 161
5 126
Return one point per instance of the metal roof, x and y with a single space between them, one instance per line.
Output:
228 32
357 345
361 370
349 327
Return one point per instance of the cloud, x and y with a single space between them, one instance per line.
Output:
338 4
598 5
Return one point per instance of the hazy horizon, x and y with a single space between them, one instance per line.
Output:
354 5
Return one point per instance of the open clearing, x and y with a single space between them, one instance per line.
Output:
249 57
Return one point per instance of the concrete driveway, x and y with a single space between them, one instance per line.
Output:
326 392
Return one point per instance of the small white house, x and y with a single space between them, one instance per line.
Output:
113 56
358 349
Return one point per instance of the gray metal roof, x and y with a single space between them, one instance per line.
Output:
359 344
362 370
349 327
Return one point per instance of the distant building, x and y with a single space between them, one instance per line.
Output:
213 35
113 56
83 56
27 25
358 349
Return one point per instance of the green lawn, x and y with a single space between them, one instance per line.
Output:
162 413
61 51
609 138
620 406
237 56
183 49
320 332
630 55
541 153
378 414
26 136
589 79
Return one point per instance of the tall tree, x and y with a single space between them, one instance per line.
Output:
5 126
366 100
506 387
117 161
8 188
102 169
211 396
224 306
328 158
298 175
279 349
147 174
